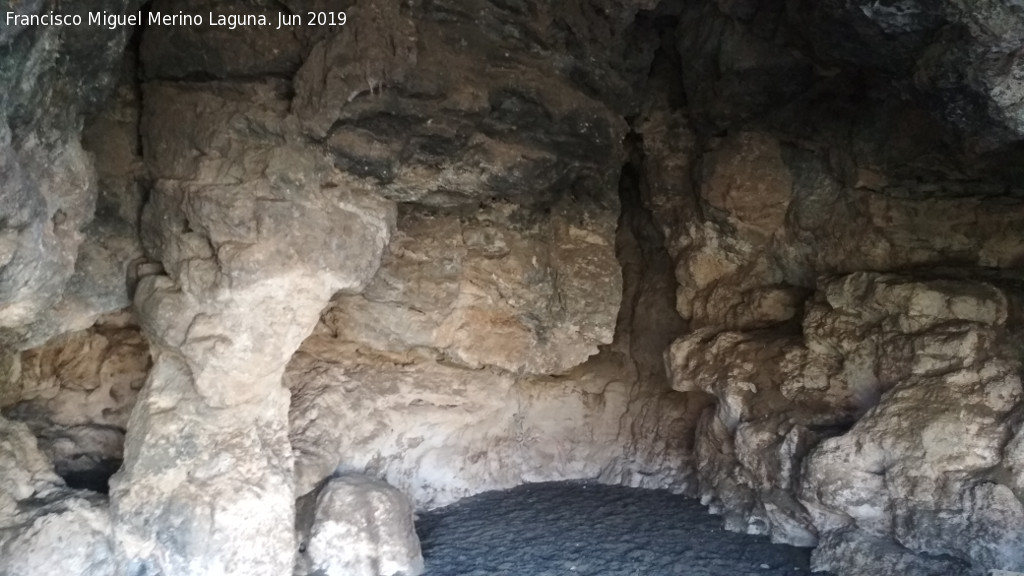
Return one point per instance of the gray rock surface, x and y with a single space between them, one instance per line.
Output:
455 104
46 528
361 527
917 467
54 253
820 203
376 390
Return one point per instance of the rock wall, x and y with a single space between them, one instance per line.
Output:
76 393
372 518
66 178
46 528
765 252
850 269
273 183
464 366
207 442
468 363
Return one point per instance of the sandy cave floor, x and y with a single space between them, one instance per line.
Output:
571 528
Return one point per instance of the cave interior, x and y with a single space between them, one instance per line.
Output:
264 290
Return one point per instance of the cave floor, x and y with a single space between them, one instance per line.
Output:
571 528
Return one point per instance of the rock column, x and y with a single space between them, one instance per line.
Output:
254 238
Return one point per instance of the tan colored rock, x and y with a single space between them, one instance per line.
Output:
764 219
925 362
440 432
77 392
255 235
748 181
504 286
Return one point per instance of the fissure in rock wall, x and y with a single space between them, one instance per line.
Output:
765 253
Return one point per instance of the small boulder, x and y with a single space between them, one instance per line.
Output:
362 527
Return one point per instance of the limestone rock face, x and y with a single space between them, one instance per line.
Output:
382 388
76 393
450 105
925 369
772 218
780 210
440 432
505 286
917 467
254 235
51 244
362 527
44 527
448 245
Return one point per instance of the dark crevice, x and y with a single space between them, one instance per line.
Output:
89 474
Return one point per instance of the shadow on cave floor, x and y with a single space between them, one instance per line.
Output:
571 528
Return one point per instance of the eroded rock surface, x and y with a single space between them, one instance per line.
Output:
382 388
207 442
440 433
507 286
361 527
927 371
918 466
818 202
779 212
76 394
56 255
45 528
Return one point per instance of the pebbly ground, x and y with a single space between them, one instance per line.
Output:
577 529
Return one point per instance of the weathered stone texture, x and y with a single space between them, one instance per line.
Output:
361 527
46 528
77 392
447 245
55 254
922 367
502 286
255 232
440 432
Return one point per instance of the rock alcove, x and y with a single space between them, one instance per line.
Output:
765 253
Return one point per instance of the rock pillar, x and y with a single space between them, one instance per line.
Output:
254 237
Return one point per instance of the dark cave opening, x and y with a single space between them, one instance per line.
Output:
94 477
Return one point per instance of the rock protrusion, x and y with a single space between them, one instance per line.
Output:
924 372
361 527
